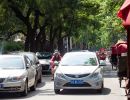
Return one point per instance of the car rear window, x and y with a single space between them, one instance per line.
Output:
44 55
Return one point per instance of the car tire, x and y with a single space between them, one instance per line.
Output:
33 88
101 89
40 80
57 91
25 92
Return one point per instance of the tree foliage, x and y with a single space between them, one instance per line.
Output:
45 23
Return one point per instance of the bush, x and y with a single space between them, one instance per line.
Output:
12 46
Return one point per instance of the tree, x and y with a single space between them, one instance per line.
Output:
45 23
111 29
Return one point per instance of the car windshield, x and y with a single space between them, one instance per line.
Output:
44 55
11 63
79 59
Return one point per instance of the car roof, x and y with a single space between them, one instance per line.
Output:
26 52
91 54
10 55
76 53
21 52
82 51
31 55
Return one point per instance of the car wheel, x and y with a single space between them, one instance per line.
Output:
101 89
33 88
57 91
25 92
40 80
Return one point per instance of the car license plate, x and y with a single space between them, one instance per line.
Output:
76 81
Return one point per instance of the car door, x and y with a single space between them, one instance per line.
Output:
31 72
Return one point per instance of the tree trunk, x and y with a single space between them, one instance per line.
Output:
68 43
60 41
32 41
61 46
27 40
26 45
43 41
51 45
51 39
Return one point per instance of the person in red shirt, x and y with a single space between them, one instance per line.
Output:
56 57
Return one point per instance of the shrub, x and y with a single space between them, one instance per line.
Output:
12 46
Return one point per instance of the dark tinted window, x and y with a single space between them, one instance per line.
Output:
44 55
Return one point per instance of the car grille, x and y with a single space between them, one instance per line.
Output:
45 67
10 88
76 76
77 85
1 80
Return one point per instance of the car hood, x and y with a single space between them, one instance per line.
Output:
10 73
76 69
44 61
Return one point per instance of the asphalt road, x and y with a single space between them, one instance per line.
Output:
45 91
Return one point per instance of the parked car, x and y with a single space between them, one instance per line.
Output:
32 56
44 59
79 70
17 74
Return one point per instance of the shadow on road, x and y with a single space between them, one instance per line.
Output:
105 91
50 92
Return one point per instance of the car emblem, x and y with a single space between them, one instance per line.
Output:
77 76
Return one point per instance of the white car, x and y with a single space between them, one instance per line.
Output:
79 70
44 59
17 74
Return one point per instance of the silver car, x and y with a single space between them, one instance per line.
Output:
79 70
32 56
16 74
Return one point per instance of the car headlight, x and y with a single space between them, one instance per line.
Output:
15 79
95 74
59 75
